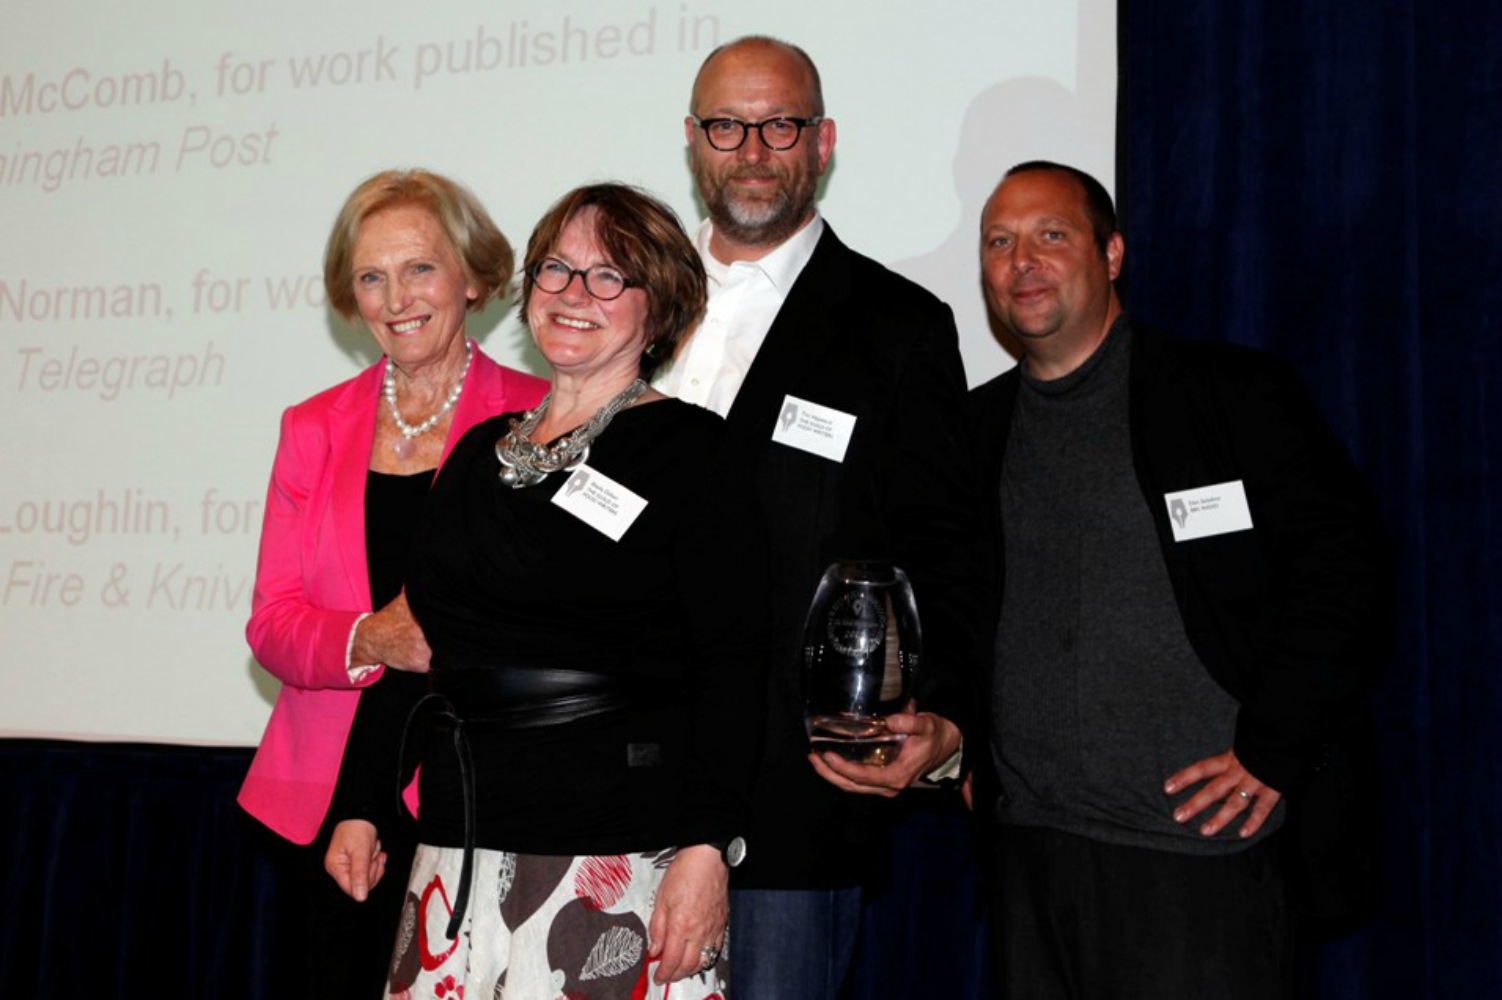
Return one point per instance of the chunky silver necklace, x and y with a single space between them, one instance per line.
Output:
526 464
407 445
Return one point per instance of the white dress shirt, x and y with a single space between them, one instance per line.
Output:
744 298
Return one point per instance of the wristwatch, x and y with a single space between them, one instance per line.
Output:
732 851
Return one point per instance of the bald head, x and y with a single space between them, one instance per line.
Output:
784 57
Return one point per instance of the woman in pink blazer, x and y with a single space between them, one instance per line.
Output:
411 253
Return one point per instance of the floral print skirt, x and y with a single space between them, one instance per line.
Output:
538 927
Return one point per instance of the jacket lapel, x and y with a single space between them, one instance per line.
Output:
482 398
804 328
351 434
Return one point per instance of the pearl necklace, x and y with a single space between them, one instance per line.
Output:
526 464
407 445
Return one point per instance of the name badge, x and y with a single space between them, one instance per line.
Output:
600 502
1208 510
818 430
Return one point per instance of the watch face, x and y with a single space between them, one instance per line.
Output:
735 852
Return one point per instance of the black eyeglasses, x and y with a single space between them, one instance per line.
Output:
727 134
603 282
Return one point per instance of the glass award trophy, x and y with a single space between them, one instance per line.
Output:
861 651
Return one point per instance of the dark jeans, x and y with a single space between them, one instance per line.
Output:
791 944
1076 919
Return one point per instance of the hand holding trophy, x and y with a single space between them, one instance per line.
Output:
862 646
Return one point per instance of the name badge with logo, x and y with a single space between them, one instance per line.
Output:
600 502
1208 510
818 430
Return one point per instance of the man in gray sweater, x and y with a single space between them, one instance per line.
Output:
1190 583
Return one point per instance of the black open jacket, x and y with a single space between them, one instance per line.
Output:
1289 617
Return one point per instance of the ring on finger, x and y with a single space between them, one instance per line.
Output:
708 956
1244 794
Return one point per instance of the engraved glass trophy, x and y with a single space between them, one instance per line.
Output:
861 651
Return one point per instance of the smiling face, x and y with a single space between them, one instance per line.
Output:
1045 276
757 197
581 335
410 288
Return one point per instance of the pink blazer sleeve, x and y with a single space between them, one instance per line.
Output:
311 579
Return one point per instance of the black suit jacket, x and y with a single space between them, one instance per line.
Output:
1288 617
856 337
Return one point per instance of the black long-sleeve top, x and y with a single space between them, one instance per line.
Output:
676 610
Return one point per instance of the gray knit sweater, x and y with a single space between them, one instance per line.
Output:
1099 696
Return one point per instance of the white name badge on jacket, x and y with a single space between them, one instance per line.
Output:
1208 510
600 502
818 430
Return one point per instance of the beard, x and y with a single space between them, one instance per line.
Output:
763 220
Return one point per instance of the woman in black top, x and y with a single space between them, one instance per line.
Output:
590 577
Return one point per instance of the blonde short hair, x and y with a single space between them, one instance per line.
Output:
482 250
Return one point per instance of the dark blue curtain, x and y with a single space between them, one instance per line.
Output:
127 871
1324 180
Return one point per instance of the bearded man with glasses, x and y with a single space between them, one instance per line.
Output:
798 324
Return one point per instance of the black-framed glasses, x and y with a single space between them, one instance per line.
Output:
780 134
601 281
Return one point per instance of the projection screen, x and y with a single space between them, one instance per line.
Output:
168 174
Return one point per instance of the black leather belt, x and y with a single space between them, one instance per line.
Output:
507 698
